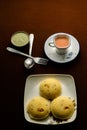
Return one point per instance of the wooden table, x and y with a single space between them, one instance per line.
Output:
43 18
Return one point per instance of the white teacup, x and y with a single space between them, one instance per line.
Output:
61 42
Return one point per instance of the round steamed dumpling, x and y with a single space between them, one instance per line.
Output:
38 108
62 107
50 88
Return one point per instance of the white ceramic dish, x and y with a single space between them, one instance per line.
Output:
32 90
71 54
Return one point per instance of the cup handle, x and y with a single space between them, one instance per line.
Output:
51 44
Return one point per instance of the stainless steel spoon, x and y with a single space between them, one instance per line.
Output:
29 62
37 60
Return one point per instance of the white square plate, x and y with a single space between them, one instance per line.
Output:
32 90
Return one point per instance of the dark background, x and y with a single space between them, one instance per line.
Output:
43 18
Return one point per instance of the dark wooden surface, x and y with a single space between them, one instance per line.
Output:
43 18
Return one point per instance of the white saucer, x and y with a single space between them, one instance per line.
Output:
71 54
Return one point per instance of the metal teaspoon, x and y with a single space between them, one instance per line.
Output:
29 62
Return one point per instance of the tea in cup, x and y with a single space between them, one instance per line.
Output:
61 43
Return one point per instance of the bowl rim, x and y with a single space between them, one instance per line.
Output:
26 33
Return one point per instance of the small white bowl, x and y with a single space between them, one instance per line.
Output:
20 38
